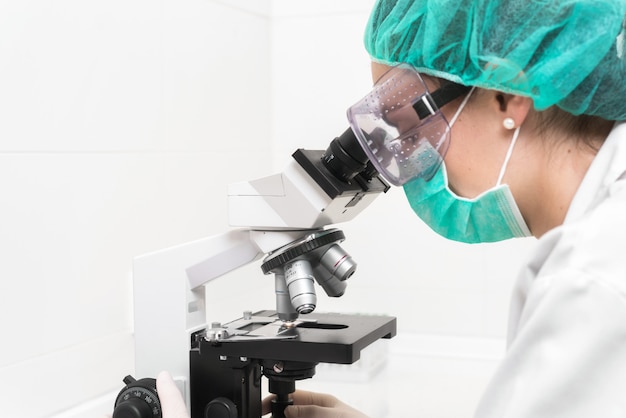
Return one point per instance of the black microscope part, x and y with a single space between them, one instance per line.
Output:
221 408
345 157
306 247
138 399
439 98
343 169
239 366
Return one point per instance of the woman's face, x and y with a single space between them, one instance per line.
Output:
473 160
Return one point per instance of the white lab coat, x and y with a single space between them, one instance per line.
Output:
566 353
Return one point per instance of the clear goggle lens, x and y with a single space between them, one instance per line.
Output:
400 127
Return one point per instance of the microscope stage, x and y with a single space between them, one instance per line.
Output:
316 337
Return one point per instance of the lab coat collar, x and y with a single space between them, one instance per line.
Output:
608 166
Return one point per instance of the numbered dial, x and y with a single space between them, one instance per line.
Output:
138 399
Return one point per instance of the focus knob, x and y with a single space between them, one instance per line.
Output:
138 399
132 408
220 408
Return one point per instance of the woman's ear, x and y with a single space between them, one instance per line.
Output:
513 109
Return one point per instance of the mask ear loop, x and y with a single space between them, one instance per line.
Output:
508 156
461 106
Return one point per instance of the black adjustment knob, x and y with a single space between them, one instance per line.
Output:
138 399
132 408
220 408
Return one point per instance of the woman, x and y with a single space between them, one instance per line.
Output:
537 147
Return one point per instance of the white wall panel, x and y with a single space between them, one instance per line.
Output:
216 85
80 75
299 8
121 125
319 68
73 223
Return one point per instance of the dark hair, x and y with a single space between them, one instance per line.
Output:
589 131
586 129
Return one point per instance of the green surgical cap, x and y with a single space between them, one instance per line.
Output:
568 53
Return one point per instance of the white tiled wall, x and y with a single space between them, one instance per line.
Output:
121 125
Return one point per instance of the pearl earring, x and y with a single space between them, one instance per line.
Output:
508 123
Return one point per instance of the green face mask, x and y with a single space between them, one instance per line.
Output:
492 216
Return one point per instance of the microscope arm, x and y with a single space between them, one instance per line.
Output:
234 249
227 252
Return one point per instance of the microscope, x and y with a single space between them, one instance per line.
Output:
281 219
397 131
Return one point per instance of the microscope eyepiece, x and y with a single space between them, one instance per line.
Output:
345 158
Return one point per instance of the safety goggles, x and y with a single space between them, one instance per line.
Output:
400 127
